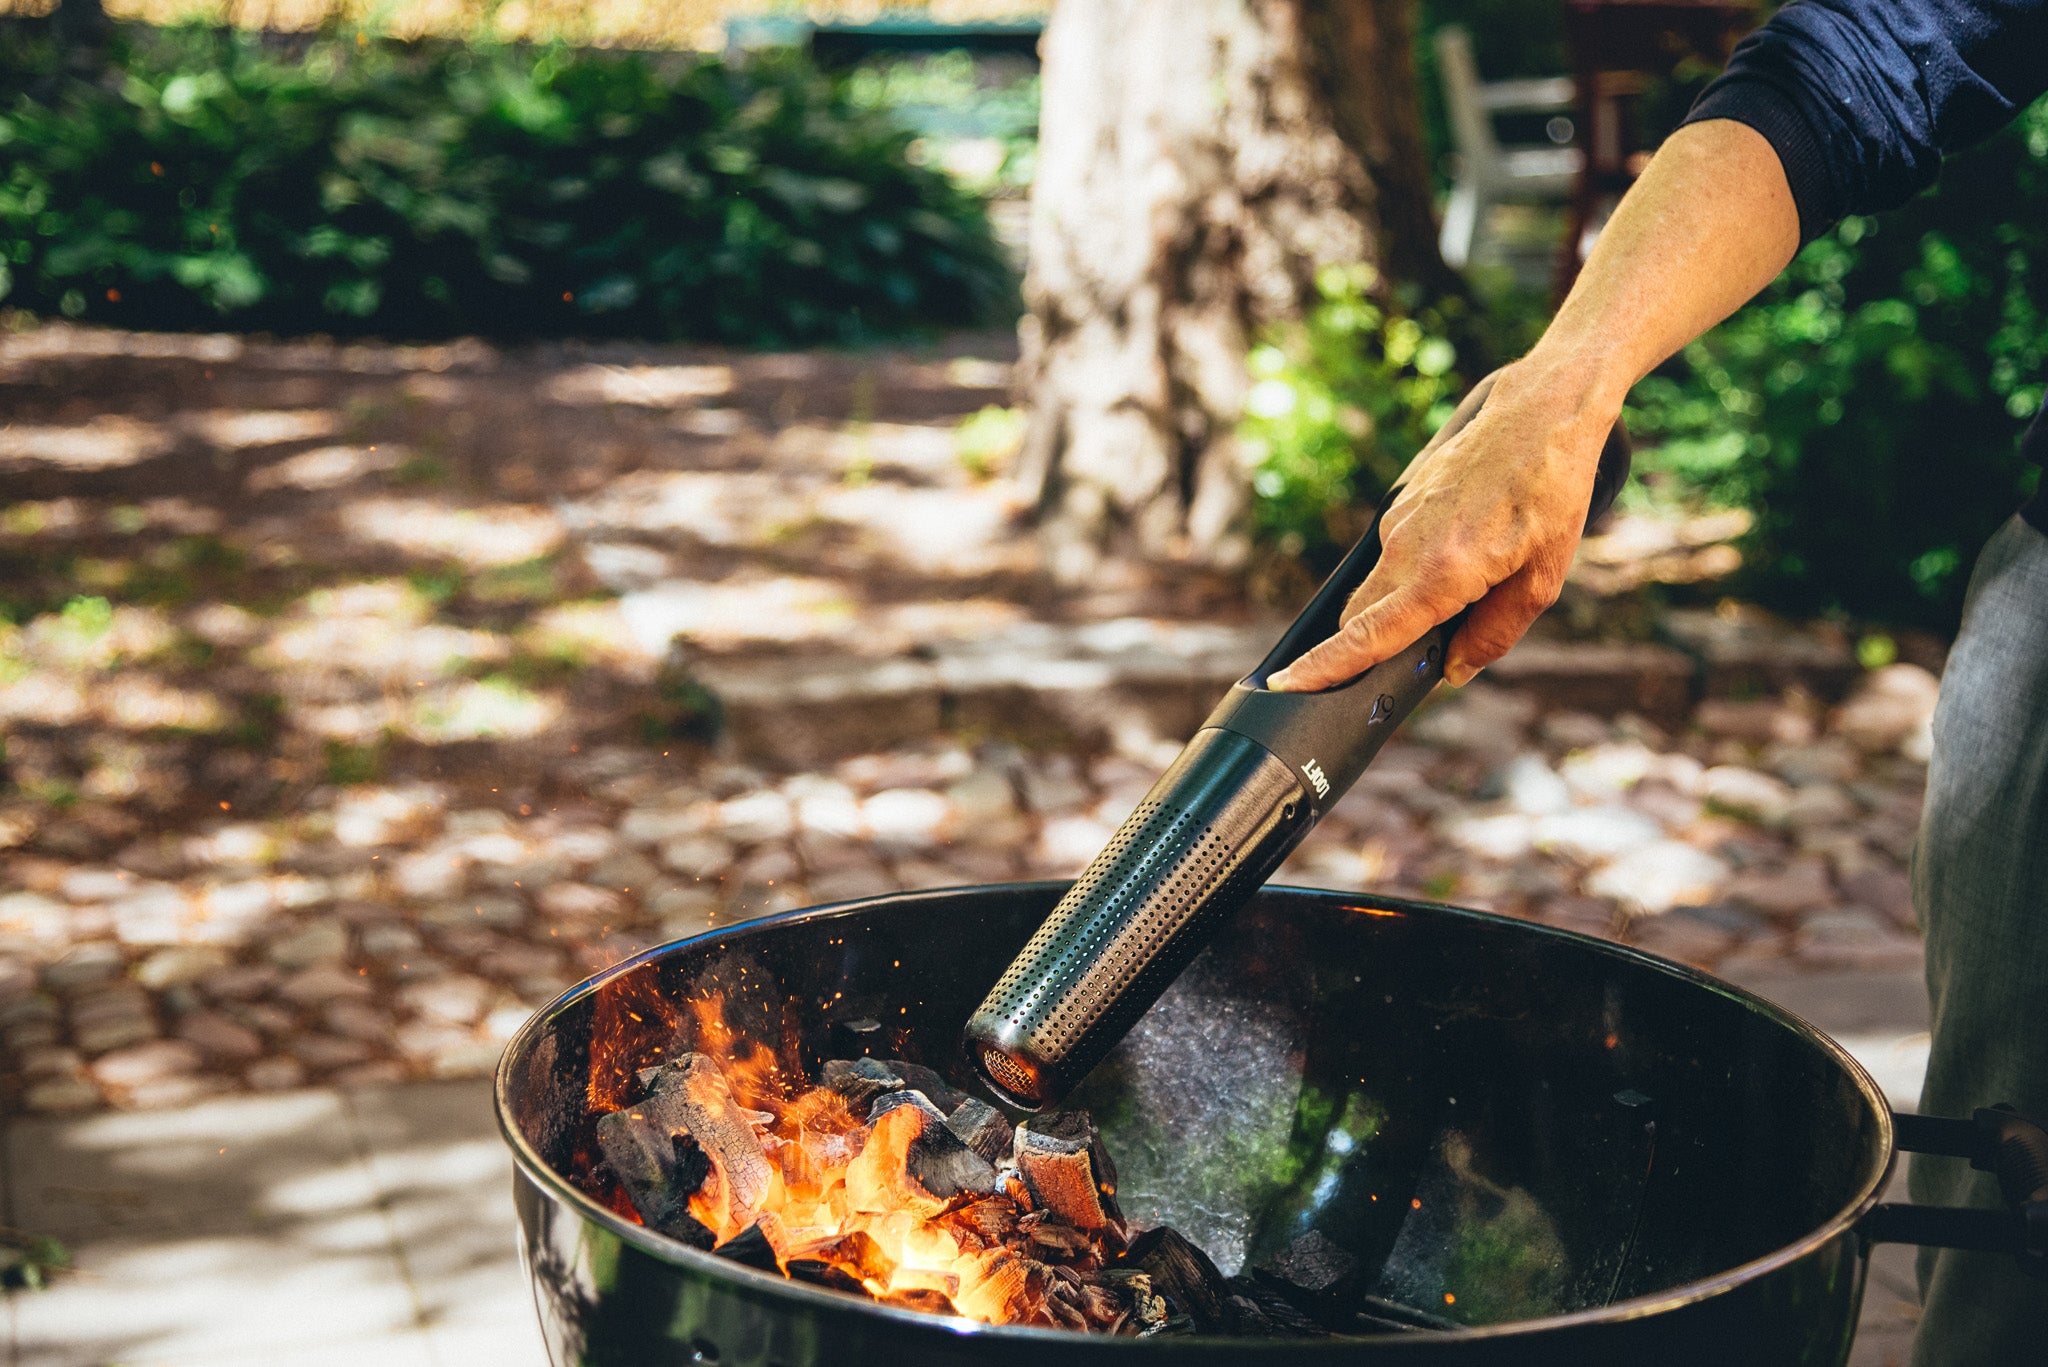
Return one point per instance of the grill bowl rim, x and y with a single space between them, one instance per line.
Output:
532 1168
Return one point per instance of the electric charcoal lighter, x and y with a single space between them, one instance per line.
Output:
1262 770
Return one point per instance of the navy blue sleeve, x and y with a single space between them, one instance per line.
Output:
1863 98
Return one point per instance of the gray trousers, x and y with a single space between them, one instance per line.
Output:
1980 883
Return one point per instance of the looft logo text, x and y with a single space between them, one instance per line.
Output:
1315 776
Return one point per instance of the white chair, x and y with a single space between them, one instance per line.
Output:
1488 173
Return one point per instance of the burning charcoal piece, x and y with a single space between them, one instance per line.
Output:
1255 1310
1182 1273
943 1094
1067 1170
693 1097
639 1150
912 1160
992 1221
750 1248
685 1228
981 1127
1316 1274
660 1166
890 1101
818 1272
859 1080
921 1298
1064 1312
1060 1240
856 1253
692 1165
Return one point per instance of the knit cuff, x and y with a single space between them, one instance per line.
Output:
1761 105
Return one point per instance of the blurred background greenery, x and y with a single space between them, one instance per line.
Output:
533 170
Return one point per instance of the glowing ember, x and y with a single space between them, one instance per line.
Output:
878 1179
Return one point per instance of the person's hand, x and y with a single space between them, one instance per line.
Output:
1490 517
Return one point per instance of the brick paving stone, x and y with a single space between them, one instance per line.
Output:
127 1069
219 1037
1803 885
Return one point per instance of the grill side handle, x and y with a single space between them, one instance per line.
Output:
1998 1140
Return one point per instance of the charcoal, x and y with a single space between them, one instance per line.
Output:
1060 1239
820 1273
692 1165
1148 1308
691 1097
750 1248
920 1298
889 1101
860 1080
992 1221
936 1168
1253 1309
1246 1320
684 1228
1182 1273
944 1094
1102 1306
638 1150
1067 1169
658 1163
1065 1314
981 1127
1317 1275
855 1251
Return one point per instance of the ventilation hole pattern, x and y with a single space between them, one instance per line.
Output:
1004 1069
1108 948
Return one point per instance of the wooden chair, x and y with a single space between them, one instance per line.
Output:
1487 172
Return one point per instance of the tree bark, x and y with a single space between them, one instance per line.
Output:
1199 160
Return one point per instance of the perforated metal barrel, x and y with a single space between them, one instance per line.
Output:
1212 829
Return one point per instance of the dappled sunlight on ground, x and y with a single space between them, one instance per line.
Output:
304 1228
327 673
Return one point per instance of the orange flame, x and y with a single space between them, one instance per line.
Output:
828 1175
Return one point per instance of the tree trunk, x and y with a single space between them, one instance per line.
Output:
1199 160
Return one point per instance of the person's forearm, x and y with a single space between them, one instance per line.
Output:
1487 519
1710 223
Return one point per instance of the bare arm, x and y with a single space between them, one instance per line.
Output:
1491 517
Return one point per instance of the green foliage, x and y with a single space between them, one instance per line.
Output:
1868 407
346 763
1339 404
356 185
28 1261
986 440
950 100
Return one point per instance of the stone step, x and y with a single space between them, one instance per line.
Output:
1122 682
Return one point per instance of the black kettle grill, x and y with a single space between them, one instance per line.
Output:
1553 1149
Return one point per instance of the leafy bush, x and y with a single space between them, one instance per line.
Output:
356 185
1868 407
1339 404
